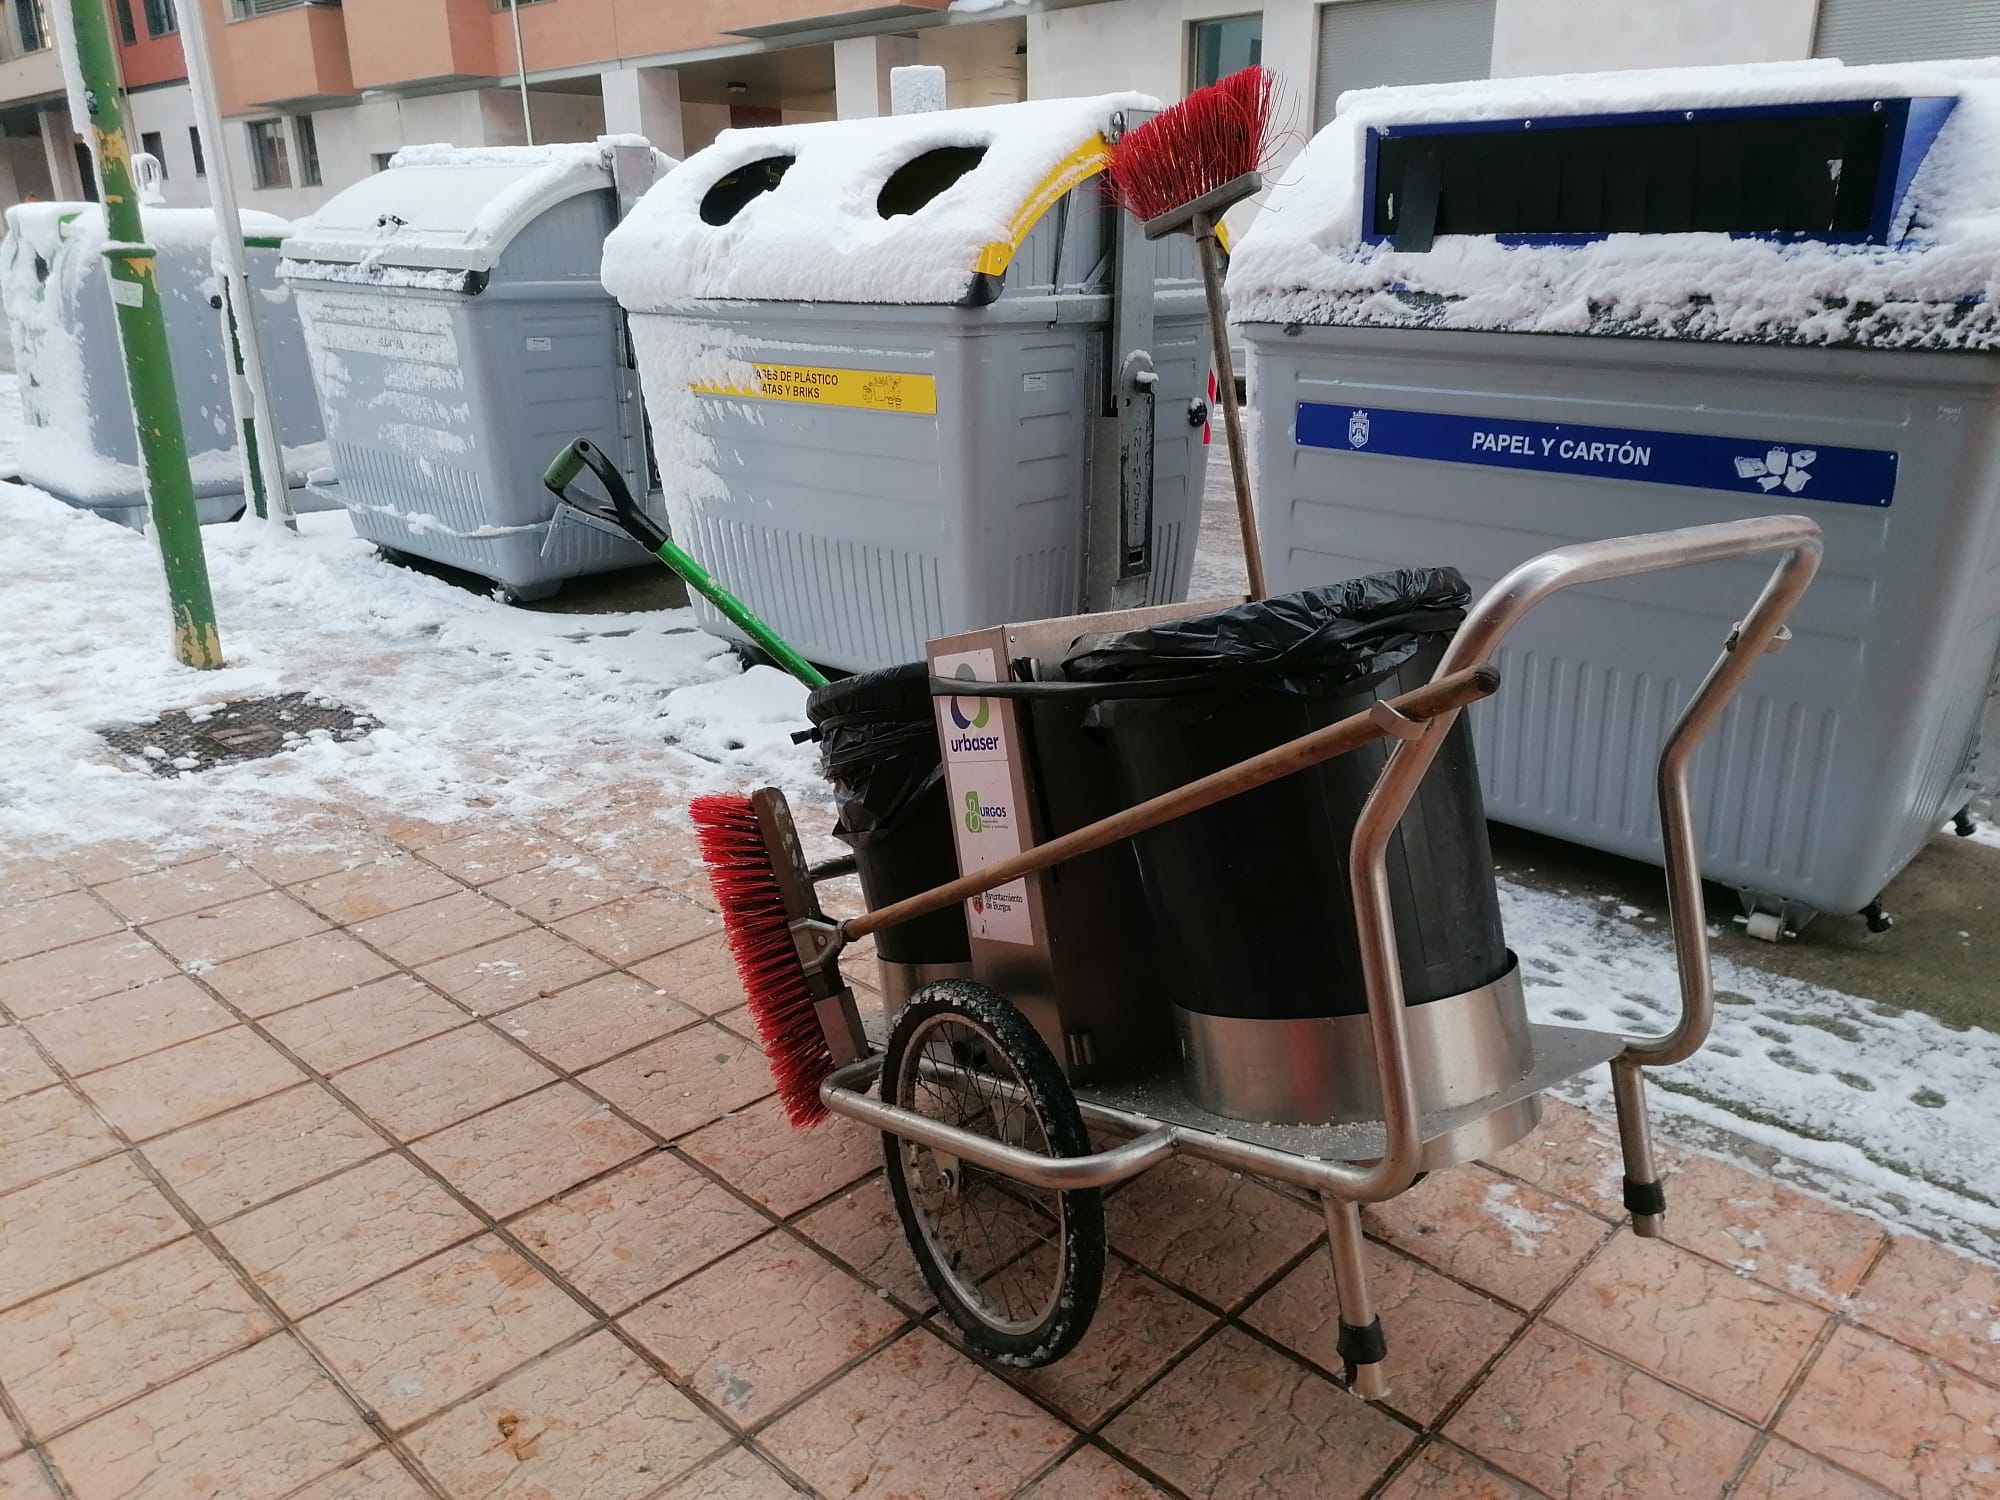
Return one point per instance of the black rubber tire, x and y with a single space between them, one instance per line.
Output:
1081 1272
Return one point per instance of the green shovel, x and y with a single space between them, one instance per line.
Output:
624 513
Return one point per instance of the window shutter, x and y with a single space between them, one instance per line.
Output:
1366 43
1873 31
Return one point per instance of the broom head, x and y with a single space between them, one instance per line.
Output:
782 996
1207 142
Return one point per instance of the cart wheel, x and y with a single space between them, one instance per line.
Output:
1017 1268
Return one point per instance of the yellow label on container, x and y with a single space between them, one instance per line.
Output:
868 390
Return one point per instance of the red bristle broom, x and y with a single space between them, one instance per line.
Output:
804 1013
1179 173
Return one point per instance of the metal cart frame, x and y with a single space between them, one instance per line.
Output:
1346 1165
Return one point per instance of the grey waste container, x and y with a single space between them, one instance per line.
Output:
460 337
79 443
898 369
1479 329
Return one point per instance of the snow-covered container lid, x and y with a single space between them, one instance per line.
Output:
1799 202
902 209
61 245
450 208
54 229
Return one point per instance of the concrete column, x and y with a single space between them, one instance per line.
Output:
861 73
646 101
59 147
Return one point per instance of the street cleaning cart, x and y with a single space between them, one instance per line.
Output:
78 442
1486 318
459 335
1354 1057
912 375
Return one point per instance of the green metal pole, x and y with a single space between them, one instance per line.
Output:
142 329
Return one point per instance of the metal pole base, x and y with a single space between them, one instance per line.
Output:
1363 1350
1645 1196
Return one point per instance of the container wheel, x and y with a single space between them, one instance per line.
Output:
1018 1269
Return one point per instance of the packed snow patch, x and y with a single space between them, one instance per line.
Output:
1887 1110
482 708
1524 1226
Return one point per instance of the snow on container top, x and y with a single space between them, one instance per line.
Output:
445 209
49 265
1793 202
913 209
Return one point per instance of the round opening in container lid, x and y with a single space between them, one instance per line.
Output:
736 190
929 175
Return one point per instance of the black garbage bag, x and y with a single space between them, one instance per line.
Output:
1335 640
879 748
1251 898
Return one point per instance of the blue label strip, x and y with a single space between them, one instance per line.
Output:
1770 469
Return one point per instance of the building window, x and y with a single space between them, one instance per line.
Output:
308 150
151 143
28 22
160 18
1225 47
194 141
126 31
86 172
268 162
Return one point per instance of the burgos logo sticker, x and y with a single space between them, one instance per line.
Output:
982 816
969 740
1357 430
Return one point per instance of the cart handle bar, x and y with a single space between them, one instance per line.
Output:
1444 695
1502 608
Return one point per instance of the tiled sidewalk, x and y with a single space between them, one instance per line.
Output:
444 1164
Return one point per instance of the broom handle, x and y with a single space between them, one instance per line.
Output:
1208 250
1446 695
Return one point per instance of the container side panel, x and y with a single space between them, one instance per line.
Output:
1845 750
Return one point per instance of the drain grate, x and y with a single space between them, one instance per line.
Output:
224 734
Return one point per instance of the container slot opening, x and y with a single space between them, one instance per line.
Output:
920 179
1819 172
734 191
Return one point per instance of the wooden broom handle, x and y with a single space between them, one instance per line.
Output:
1208 250
1446 695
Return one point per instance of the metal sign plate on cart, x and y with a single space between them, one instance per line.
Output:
1783 470
979 776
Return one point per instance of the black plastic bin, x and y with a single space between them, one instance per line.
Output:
879 748
1251 897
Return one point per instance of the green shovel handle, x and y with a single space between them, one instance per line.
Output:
648 533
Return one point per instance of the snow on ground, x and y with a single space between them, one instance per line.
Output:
1887 1110
482 707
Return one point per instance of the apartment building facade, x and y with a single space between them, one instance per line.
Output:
319 93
